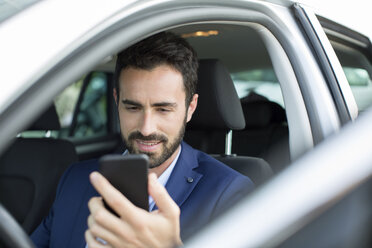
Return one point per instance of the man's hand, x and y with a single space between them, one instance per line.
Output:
135 227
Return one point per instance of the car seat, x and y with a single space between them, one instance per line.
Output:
265 134
219 112
30 170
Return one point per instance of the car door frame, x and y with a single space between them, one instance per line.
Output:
141 19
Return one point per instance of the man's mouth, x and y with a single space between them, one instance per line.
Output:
148 145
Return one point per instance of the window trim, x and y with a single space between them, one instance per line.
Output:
318 42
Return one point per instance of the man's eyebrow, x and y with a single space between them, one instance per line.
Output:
164 104
130 102
158 104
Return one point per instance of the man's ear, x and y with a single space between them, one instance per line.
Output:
192 107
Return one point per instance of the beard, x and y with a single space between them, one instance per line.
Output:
169 147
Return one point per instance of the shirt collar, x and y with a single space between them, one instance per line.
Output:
164 177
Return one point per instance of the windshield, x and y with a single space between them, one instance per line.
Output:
9 8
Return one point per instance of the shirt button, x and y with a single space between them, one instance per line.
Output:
190 179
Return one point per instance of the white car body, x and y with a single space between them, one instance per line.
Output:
52 43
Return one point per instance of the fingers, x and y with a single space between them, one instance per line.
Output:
92 242
166 208
144 229
98 231
162 199
104 225
99 213
115 199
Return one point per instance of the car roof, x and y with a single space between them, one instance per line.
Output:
248 51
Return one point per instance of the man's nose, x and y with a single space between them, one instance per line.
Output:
147 125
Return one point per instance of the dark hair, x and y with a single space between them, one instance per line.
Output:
162 48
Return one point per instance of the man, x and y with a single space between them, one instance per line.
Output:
155 95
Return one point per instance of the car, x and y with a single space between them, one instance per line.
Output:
322 200
301 78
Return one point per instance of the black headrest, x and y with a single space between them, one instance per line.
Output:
47 121
218 105
262 113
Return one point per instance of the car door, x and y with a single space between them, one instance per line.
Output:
315 109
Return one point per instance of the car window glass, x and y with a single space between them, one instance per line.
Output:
358 71
66 102
82 107
258 81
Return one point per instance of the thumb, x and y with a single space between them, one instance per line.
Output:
162 199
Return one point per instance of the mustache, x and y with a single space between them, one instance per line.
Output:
139 135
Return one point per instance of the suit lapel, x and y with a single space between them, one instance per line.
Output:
183 178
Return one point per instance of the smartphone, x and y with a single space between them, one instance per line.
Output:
128 174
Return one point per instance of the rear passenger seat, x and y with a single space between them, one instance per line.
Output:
265 134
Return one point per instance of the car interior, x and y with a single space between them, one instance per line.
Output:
241 120
210 128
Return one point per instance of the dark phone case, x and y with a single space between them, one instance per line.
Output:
129 175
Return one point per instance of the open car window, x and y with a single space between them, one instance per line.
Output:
358 71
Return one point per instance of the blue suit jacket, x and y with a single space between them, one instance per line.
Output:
213 188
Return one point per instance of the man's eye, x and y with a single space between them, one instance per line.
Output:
163 110
132 108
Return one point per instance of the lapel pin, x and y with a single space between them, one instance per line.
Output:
190 179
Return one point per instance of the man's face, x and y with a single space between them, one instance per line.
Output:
152 112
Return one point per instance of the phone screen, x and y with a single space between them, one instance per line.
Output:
128 173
